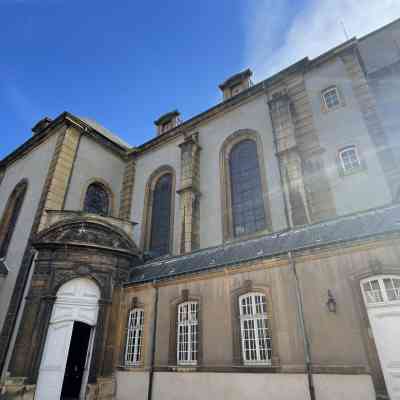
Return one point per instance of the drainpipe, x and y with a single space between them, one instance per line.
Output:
153 348
300 310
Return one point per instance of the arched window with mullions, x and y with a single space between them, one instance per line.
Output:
97 199
247 203
160 216
10 216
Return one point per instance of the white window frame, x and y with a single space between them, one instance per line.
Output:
376 293
325 92
187 333
134 338
256 350
354 166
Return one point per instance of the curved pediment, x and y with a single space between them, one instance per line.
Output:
86 231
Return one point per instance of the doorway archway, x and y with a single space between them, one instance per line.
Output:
68 347
382 300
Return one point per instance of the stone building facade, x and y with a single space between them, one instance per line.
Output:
249 252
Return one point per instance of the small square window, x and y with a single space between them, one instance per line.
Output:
236 89
349 159
331 98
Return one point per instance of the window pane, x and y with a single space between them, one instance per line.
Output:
349 159
246 192
256 340
373 292
392 286
161 216
187 333
331 98
96 200
134 340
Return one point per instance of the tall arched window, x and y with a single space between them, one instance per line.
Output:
10 216
247 203
97 199
254 329
160 217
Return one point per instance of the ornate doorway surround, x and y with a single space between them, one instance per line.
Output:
77 300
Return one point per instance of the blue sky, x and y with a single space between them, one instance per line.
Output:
124 63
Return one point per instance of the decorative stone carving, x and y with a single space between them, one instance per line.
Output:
87 233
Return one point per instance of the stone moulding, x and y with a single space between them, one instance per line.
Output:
90 231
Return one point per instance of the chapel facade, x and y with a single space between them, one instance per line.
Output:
249 252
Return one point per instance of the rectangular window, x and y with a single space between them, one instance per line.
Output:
331 98
349 159
134 338
187 333
255 330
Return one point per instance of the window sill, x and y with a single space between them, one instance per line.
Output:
355 171
131 368
233 239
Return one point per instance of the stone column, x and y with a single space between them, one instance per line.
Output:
190 193
290 162
128 185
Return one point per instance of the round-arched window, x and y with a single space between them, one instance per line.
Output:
97 200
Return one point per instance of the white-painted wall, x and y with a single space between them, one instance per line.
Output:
33 167
341 127
94 161
168 154
252 116
242 386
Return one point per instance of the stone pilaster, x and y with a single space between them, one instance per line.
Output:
128 185
369 111
189 194
60 171
289 159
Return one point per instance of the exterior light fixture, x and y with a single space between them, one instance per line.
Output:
331 303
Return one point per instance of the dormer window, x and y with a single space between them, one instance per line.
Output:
167 122
331 98
236 84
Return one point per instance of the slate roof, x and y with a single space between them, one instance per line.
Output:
104 131
345 229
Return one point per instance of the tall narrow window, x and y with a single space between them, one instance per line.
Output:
254 329
134 338
97 200
161 216
248 213
187 334
10 216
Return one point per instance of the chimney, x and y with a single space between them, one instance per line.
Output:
236 84
41 125
167 122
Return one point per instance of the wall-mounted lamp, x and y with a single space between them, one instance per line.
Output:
331 303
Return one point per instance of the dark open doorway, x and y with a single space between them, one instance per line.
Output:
76 361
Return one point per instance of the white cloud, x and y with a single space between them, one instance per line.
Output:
277 35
